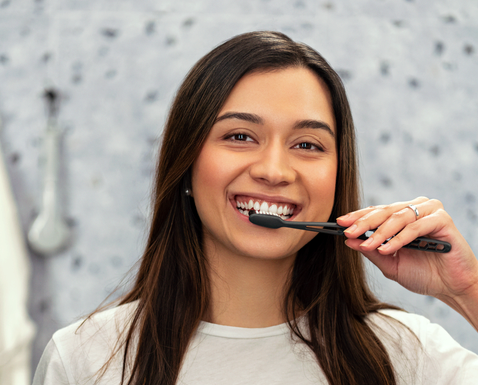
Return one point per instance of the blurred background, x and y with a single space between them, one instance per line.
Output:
410 69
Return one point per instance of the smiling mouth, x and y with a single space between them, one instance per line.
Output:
282 210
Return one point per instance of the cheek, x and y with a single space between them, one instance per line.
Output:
322 179
209 179
329 179
321 188
203 170
202 177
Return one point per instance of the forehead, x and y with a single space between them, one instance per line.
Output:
296 93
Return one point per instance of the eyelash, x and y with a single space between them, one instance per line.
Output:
232 138
311 146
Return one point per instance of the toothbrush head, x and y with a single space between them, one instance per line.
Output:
264 220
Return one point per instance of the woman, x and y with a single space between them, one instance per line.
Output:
263 122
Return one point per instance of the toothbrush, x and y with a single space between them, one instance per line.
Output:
273 221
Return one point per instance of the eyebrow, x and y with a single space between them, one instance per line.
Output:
310 123
256 119
252 118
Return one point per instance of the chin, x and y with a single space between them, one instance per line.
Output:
268 252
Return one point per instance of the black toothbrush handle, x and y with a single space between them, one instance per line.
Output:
428 244
332 228
420 243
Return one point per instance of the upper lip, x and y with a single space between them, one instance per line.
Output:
267 198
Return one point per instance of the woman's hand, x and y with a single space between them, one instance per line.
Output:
451 277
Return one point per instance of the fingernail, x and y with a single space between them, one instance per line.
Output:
351 229
367 242
384 247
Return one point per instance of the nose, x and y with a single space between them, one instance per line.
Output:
272 166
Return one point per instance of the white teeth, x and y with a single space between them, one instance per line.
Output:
282 211
244 212
268 213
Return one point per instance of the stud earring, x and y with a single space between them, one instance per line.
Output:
187 192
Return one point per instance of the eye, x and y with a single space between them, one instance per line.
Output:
308 146
239 137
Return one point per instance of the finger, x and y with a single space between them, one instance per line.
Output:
348 219
427 226
354 215
400 220
375 218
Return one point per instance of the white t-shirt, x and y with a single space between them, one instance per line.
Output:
231 355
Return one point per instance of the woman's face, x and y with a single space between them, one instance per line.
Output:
273 146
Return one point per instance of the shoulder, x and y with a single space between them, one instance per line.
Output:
79 351
411 337
388 318
106 324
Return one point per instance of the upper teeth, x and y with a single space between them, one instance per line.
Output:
264 207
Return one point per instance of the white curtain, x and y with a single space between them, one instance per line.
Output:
16 328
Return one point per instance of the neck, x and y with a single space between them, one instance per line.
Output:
245 291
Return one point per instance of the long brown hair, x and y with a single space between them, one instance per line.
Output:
328 279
